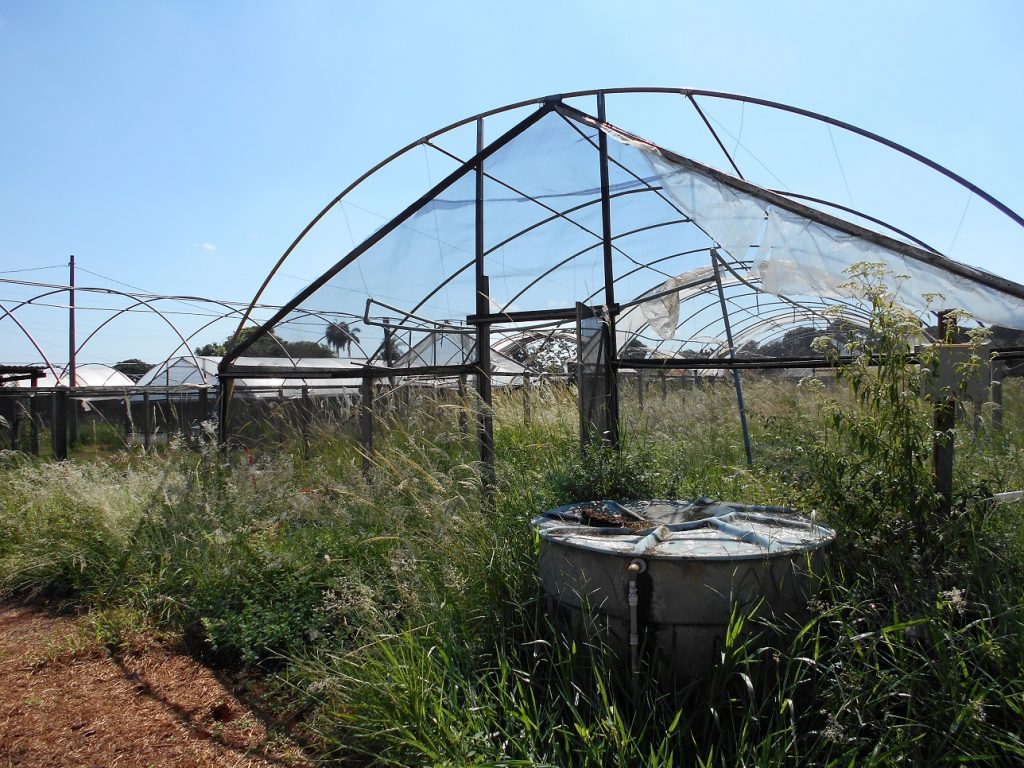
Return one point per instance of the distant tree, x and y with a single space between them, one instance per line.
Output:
341 337
297 349
211 350
132 368
796 342
392 348
1006 337
389 349
545 352
747 350
635 350
268 345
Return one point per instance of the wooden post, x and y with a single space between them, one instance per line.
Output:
59 425
36 418
71 411
129 427
17 423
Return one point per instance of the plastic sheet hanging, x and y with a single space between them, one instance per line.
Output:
661 311
802 254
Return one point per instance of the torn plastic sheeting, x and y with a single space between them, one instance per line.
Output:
661 311
729 217
802 257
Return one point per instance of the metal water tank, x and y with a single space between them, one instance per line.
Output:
659 579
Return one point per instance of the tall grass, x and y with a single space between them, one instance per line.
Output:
408 625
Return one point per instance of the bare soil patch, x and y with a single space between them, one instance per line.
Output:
66 701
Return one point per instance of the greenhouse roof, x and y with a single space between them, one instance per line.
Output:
562 214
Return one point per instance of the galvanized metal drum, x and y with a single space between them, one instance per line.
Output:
661 578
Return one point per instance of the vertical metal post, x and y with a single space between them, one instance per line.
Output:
227 389
394 402
485 418
366 421
611 389
72 351
640 387
582 388
945 423
732 357
72 362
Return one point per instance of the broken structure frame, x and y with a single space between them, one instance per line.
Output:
602 301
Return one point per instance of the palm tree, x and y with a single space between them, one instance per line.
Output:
341 336
391 348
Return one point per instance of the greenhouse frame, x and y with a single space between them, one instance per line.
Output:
554 223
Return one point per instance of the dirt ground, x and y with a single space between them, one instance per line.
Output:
66 701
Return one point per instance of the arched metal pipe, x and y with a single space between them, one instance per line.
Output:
690 93
28 336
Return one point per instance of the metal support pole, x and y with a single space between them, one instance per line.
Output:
366 421
945 423
227 389
485 418
72 351
732 356
598 419
640 387
611 353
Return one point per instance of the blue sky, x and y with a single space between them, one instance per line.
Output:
179 147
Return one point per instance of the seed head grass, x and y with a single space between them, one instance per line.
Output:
403 617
